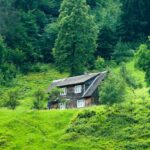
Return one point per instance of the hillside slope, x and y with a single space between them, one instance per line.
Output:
124 126
26 85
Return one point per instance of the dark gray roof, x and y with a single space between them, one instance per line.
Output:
95 84
72 80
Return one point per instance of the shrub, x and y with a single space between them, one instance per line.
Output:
12 101
113 90
39 67
143 61
7 73
39 99
86 114
54 94
122 52
100 64
130 80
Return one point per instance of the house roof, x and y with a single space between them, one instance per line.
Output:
77 80
94 84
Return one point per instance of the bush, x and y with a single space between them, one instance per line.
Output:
54 94
113 90
122 52
12 101
143 61
39 67
86 114
38 102
7 73
130 80
100 64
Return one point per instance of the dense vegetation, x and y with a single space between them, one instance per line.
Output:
124 127
31 29
44 40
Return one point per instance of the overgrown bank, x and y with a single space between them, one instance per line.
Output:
124 126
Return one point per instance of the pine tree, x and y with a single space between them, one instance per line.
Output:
76 41
135 19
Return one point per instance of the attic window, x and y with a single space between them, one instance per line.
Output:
63 91
77 89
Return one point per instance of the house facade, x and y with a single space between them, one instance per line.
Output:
79 91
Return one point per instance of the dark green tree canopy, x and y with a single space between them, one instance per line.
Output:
76 41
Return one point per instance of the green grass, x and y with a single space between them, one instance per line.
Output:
139 76
124 126
119 127
27 85
32 129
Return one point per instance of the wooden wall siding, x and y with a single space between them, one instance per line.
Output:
71 94
73 97
88 102
72 104
55 106
96 96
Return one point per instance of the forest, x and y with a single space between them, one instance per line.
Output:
46 40
62 33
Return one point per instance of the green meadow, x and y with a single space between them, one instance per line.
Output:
124 126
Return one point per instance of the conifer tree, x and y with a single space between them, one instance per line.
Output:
76 40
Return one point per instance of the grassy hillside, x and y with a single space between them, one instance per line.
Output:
124 126
30 130
121 127
141 93
27 85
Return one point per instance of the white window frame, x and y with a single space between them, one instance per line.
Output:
62 106
78 89
63 91
81 103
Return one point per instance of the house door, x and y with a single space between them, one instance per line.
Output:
62 106
80 103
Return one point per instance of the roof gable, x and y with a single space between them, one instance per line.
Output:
94 84
73 80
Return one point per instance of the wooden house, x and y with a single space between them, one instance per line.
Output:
80 91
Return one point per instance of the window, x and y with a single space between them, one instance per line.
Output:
80 103
77 89
62 106
63 91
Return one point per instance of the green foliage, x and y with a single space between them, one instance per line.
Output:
39 96
134 23
123 126
39 67
129 79
26 85
76 38
12 101
30 31
32 129
113 90
122 52
86 114
143 61
100 64
7 73
54 94
23 25
108 17
7 70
